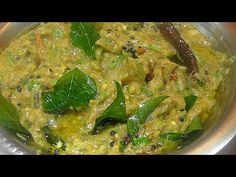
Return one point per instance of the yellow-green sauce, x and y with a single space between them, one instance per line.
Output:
34 62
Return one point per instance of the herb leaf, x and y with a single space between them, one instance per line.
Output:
141 114
196 124
75 89
54 103
172 136
53 139
9 118
190 101
143 140
194 128
115 113
84 36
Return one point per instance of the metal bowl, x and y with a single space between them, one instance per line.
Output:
219 129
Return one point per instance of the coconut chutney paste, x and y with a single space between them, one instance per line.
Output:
109 88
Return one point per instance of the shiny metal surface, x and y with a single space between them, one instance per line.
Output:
220 128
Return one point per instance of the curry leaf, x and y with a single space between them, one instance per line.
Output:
190 101
9 118
196 124
172 136
75 89
54 103
115 113
84 36
143 140
193 131
52 138
141 114
194 128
